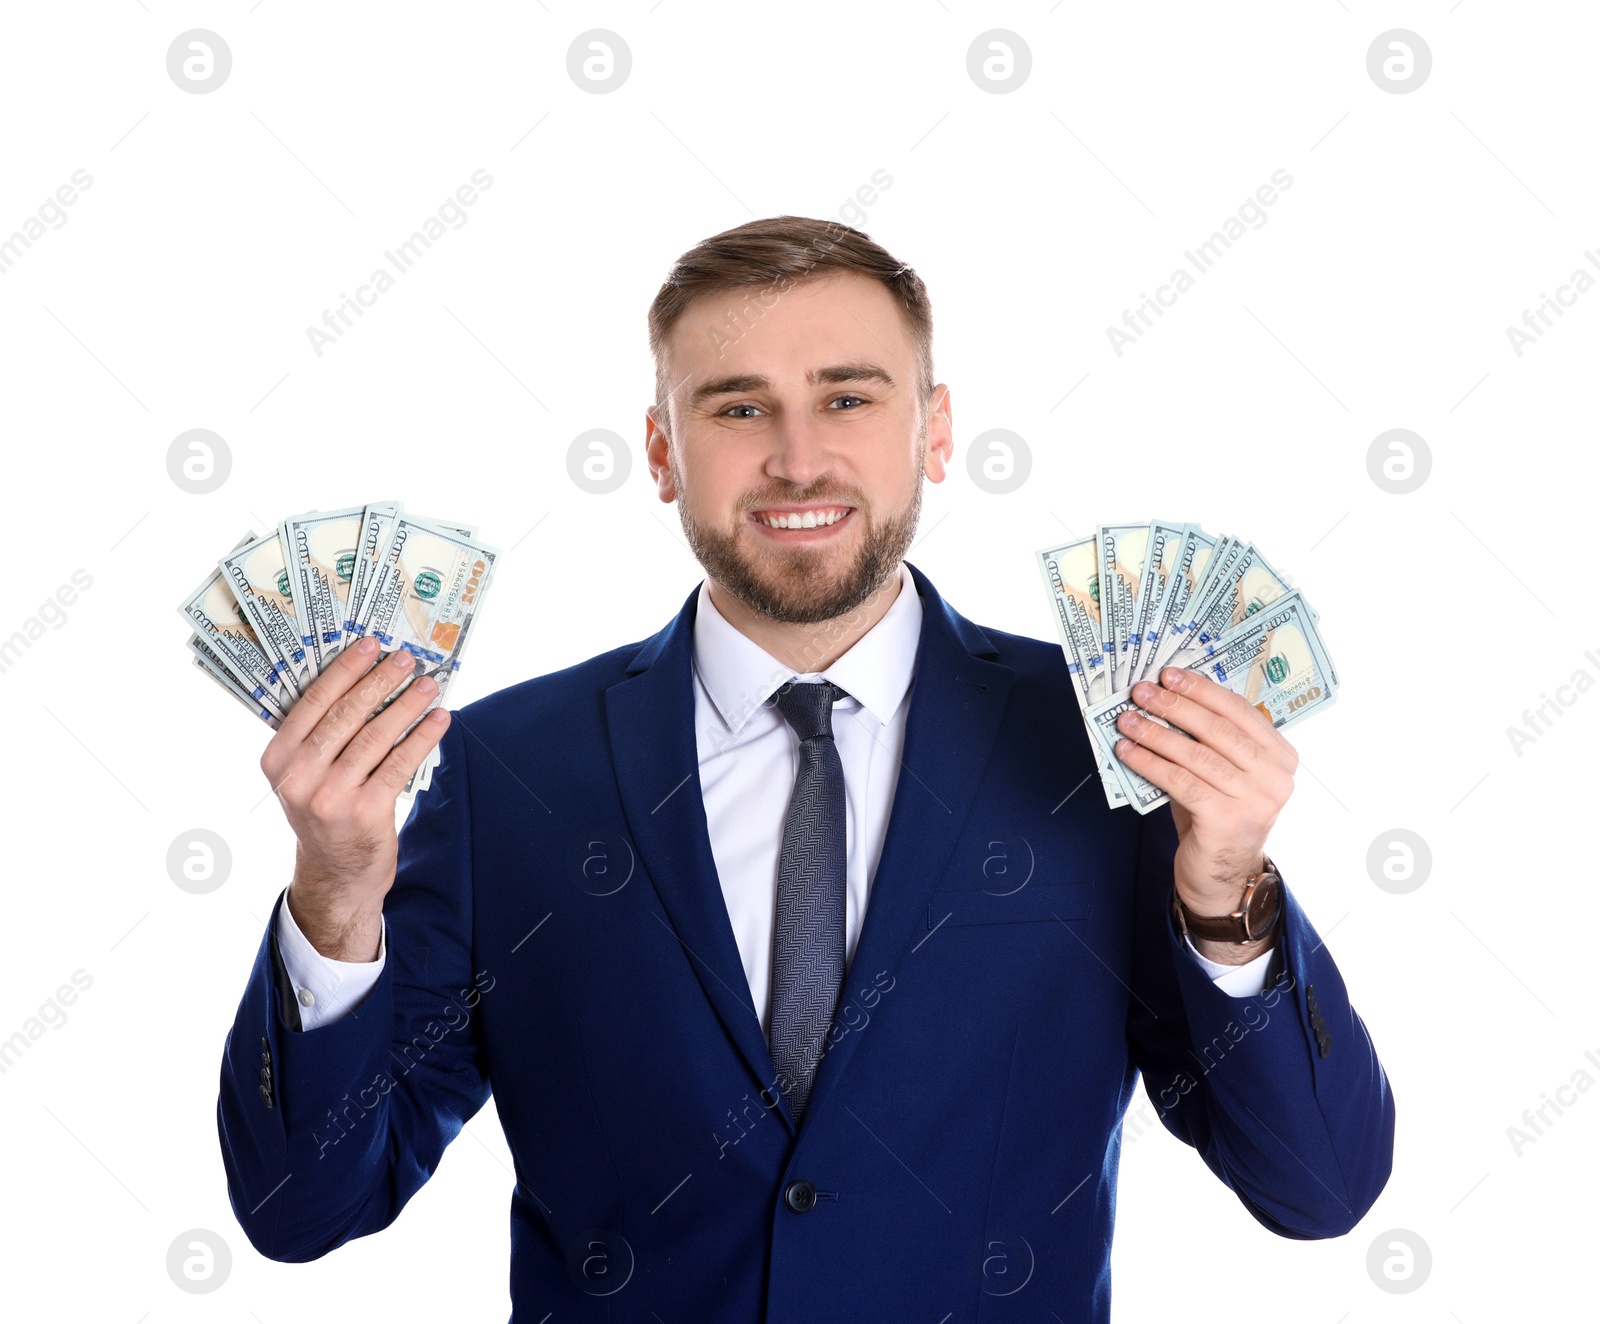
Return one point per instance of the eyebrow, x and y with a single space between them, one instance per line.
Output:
833 375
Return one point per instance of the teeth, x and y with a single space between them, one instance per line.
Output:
810 520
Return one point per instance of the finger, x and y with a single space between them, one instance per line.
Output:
347 714
1174 747
1177 781
1195 704
389 778
1205 691
369 746
342 673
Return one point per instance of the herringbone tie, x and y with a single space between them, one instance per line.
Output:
808 933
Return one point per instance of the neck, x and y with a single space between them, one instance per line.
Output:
813 647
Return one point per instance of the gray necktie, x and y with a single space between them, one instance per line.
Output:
808 933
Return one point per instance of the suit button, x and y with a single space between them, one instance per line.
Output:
265 1091
800 1196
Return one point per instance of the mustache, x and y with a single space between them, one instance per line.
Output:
797 496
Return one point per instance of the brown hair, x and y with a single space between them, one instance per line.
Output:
774 255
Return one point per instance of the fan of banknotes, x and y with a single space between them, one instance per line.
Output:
1136 598
278 608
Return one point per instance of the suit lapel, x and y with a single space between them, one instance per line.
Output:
957 699
650 725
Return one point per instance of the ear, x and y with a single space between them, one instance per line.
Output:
655 454
941 436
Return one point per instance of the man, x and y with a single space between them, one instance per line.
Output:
807 983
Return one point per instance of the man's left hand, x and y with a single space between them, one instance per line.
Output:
1226 785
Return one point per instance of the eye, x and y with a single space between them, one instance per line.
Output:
728 412
839 399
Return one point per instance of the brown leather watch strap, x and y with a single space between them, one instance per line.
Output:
1257 916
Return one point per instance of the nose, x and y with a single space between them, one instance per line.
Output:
799 453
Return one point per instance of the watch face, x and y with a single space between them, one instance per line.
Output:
1263 906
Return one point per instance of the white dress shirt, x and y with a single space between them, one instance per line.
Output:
748 756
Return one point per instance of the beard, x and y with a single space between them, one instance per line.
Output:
791 584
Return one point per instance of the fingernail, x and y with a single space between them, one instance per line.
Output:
1172 678
1143 692
366 645
438 716
1130 719
427 685
400 658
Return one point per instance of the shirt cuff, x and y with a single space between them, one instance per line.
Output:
1239 981
325 989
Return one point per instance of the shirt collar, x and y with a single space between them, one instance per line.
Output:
740 675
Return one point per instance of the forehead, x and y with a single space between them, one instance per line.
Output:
785 336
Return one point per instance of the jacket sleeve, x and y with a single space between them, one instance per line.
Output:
327 1133
1282 1094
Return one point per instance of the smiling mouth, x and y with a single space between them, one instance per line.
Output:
802 517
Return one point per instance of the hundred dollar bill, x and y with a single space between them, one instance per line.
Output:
259 579
1162 629
213 613
1249 584
1072 580
322 560
425 598
1142 795
227 682
1274 658
377 523
1152 582
256 695
1223 555
1120 552
377 527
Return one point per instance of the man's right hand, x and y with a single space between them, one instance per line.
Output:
337 771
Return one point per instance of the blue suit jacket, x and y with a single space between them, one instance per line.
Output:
557 933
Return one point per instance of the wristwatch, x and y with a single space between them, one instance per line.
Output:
1260 908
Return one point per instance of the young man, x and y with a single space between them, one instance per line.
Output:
806 987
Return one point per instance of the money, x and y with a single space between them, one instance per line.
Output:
1179 597
1120 549
213 613
1191 551
278 609
259 580
320 549
1071 577
424 598
1248 585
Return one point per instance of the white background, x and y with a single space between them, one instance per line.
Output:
1377 295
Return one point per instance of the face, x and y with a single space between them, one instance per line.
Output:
796 442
